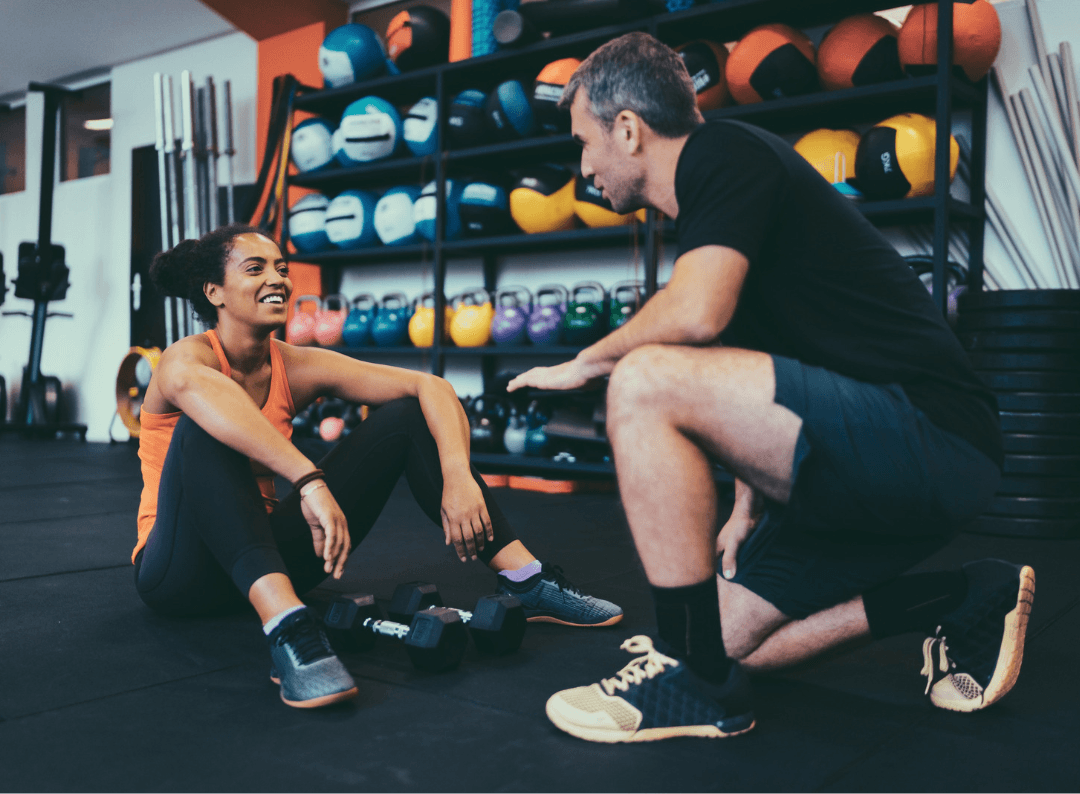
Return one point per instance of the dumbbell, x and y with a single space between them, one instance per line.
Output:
497 624
435 639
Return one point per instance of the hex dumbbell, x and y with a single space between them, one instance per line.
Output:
497 624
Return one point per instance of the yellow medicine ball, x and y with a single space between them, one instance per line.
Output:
542 200
831 152
895 158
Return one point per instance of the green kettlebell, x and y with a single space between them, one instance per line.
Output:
626 298
583 323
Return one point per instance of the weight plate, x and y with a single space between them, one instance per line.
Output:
1055 382
1039 486
1052 341
1051 424
1049 465
1024 444
1033 401
1026 362
1021 299
1025 527
1028 507
1058 320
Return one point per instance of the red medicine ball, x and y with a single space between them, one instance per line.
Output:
770 62
976 38
859 50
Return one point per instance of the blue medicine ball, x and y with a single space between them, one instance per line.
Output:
350 219
485 209
424 211
353 52
370 130
394 222
465 125
509 112
307 224
421 126
311 148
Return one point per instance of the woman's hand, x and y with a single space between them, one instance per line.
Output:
465 518
739 527
329 529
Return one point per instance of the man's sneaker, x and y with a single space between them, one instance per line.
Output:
974 658
654 697
305 665
549 597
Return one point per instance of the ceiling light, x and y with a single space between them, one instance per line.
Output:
98 125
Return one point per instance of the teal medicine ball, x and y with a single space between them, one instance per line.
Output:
421 126
307 224
394 222
484 210
509 111
465 124
370 130
350 219
311 147
353 52
425 207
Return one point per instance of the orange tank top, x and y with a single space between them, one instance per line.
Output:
156 433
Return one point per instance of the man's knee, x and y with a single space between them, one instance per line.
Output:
746 619
644 377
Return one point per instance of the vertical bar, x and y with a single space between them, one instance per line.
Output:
941 156
229 152
170 158
191 196
977 184
198 113
438 358
212 153
163 184
653 236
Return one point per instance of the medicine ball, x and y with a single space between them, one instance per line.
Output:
484 209
548 90
421 126
705 61
418 37
895 158
594 210
832 154
976 38
370 130
859 50
350 53
509 113
771 61
311 148
350 219
394 222
425 206
465 124
542 199
307 224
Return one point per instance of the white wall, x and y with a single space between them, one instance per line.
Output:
92 219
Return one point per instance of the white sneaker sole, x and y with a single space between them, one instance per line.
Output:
613 736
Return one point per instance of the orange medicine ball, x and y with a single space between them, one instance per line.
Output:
548 90
705 61
976 38
770 62
859 50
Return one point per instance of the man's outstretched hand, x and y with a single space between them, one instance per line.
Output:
573 374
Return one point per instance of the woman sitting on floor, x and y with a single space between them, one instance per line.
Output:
216 427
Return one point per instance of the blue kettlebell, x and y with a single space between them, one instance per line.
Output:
545 321
391 327
536 439
357 329
513 305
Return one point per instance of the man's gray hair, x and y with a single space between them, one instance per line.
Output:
636 72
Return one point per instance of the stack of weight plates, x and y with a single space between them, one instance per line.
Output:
1025 345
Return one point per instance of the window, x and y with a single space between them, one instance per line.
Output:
85 122
12 149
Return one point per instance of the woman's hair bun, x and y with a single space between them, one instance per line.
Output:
170 271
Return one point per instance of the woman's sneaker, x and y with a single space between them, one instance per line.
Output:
549 597
974 658
654 697
305 665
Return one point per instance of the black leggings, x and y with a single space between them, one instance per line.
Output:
213 537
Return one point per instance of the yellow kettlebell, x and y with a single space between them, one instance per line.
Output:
471 324
422 324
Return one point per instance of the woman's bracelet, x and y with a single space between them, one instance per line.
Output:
315 474
312 489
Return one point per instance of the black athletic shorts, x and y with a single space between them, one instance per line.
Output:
877 488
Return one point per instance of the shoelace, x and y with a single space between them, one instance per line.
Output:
307 640
647 666
944 663
561 581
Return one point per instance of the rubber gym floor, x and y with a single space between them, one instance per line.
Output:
97 693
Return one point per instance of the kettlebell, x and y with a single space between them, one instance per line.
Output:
301 328
626 299
513 306
471 323
422 324
514 436
357 329
535 437
481 432
391 327
545 320
583 323
329 322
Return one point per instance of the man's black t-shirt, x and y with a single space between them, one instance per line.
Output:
824 286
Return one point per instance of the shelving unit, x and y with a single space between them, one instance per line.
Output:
937 94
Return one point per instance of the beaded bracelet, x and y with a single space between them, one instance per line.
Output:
316 474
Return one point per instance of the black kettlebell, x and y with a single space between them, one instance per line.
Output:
481 432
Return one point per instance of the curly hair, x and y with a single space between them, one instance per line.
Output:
182 271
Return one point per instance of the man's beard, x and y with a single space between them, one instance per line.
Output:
634 199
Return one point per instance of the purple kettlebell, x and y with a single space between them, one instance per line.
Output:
513 307
545 321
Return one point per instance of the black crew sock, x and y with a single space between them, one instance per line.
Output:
688 621
915 602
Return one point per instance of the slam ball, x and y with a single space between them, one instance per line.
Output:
350 219
426 206
370 130
350 53
976 38
484 209
594 210
307 223
542 199
859 50
394 221
705 61
770 62
311 147
895 158
418 37
831 153
509 113
420 127
465 125
548 90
